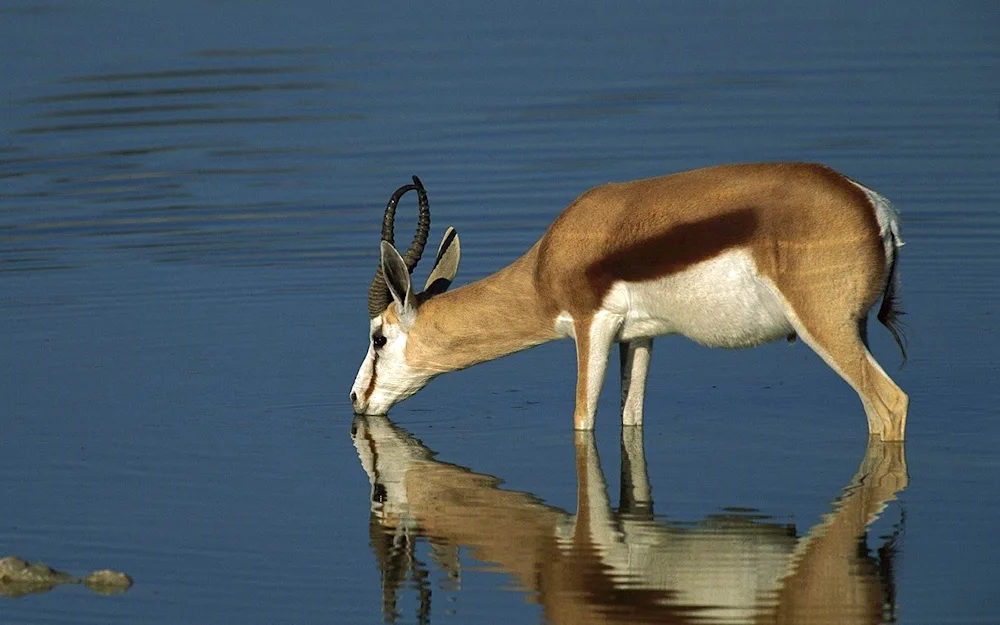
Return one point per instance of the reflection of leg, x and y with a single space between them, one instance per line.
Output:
593 509
634 368
881 475
445 554
636 496
832 578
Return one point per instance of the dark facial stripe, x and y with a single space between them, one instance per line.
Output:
371 381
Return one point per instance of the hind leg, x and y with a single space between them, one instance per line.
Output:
843 347
634 369
895 430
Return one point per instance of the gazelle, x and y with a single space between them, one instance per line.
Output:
728 256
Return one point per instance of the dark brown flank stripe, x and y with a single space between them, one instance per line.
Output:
673 251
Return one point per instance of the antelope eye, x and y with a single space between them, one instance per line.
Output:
378 340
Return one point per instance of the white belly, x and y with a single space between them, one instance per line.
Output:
721 302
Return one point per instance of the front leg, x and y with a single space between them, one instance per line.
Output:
594 338
635 356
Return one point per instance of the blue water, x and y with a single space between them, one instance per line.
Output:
190 196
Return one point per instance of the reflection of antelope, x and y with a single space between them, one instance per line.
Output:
730 256
604 566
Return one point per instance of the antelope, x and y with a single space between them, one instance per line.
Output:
729 256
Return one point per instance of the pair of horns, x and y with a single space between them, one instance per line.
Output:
378 294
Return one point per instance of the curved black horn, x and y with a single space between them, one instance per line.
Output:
416 249
378 293
390 213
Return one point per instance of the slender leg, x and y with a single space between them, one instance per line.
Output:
593 344
634 368
842 346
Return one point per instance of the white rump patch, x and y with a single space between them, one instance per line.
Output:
888 219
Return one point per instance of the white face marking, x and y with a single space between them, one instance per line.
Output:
394 380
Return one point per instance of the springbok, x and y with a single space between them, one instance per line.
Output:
728 256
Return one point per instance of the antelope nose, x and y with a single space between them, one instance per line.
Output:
355 404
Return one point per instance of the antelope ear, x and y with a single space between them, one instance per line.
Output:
397 278
445 264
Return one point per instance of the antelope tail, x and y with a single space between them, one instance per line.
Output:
889 312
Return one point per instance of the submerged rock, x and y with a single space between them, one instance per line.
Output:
18 577
108 582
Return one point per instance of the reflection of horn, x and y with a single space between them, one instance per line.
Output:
396 557
391 564
384 455
378 292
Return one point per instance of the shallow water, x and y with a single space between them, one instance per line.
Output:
190 197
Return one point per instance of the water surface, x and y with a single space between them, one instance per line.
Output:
190 197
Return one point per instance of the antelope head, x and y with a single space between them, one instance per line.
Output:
385 377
